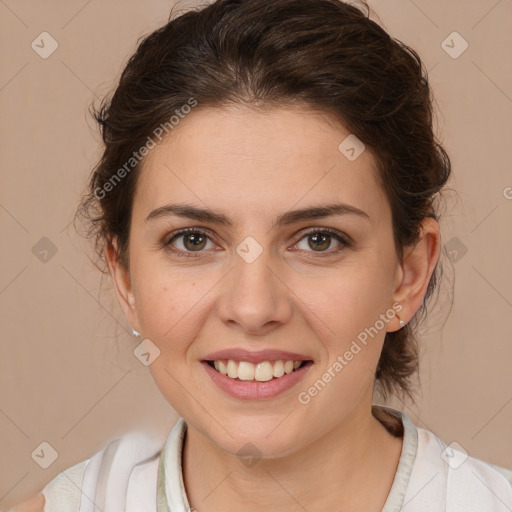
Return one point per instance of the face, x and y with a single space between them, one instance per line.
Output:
255 279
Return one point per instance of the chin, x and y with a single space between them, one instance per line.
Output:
267 438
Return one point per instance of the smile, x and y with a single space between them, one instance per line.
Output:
261 372
255 381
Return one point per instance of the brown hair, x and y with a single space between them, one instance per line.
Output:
324 54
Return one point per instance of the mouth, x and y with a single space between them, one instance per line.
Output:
263 380
257 372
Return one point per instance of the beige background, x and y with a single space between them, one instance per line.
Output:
67 371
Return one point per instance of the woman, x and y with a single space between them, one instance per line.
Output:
266 206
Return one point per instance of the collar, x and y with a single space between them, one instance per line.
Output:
171 494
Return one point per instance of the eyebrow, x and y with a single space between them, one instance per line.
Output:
290 217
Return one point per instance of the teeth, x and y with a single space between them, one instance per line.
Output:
278 369
232 369
260 372
263 371
245 370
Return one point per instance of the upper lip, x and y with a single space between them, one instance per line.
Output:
240 354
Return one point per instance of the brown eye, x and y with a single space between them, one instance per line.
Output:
320 240
194 241
188 240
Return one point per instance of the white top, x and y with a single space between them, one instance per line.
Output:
133 474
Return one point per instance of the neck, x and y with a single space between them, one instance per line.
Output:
351 467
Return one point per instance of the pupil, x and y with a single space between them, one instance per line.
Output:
195 238
315 238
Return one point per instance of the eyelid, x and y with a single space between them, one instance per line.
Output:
344 239
183 231
331 231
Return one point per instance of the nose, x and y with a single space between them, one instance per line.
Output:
255 297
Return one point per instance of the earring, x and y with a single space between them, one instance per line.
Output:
402 323
135 333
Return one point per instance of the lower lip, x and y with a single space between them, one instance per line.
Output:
255 390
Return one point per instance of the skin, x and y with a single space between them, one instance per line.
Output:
253 166
34 504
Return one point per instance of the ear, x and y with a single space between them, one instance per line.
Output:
122 284
415 270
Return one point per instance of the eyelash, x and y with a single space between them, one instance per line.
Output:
318 254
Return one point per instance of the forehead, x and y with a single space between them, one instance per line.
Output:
240 159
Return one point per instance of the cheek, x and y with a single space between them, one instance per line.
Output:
172 311
342 304
168 305
341 312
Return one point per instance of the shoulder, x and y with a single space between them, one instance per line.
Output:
61 493
64 491
111 468
453 456
507 473
459 477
